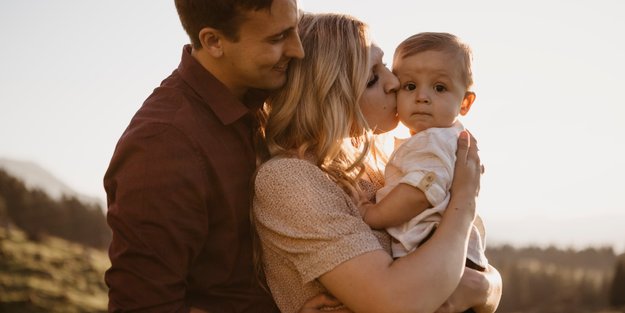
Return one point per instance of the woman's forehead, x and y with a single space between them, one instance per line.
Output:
376 52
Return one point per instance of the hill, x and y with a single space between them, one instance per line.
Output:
39 272
52 275
36 177
37 214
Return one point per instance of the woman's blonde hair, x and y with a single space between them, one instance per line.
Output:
316 115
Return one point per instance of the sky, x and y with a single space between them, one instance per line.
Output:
548 114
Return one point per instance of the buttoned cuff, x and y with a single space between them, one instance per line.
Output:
426 182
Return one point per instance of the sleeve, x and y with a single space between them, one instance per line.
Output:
307 219
427 162
155 187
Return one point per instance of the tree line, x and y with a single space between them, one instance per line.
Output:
535 279
37 214
556 280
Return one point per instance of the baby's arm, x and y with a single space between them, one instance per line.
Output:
400 205
422 170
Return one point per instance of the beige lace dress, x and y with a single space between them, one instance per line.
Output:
307 225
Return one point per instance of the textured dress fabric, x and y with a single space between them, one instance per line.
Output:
307 225
426 161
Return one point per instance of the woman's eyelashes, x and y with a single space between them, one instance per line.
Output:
374 79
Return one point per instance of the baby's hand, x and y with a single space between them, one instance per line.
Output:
363 208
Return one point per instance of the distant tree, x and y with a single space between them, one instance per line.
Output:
87 223
4 214
617 291
37 214
554 280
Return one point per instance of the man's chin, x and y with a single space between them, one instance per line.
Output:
274 84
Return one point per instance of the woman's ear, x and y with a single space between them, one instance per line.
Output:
467 102
211 40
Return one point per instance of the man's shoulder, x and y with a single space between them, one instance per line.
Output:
173 102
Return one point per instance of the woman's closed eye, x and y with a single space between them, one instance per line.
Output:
374 79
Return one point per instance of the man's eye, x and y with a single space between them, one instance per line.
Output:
439 88
410 87
278 38
373 80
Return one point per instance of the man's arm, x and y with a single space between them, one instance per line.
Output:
154 186
316 304
478 290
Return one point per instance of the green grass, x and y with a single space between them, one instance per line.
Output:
53 275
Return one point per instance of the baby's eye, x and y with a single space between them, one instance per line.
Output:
410 86
440 88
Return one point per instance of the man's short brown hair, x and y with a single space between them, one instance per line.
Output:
224 15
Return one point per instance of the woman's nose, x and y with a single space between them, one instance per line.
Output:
391 83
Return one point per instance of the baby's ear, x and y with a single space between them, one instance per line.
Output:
467 102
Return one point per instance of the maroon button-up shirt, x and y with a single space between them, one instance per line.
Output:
178 192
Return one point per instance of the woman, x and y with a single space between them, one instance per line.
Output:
306 197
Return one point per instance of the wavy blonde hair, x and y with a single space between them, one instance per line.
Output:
316 115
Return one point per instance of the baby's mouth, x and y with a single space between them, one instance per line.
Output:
422 113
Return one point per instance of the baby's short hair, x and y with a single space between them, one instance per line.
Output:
445 42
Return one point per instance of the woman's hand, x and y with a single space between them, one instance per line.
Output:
321 302
478 290
466 182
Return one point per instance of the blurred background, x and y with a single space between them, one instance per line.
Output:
548 117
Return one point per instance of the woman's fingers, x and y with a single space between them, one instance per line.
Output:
322 302
467 149
467 172
473 148
463 146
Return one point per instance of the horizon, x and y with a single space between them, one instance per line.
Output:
547 116
34 176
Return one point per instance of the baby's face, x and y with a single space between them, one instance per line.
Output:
431 90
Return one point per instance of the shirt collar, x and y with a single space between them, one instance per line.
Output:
215 94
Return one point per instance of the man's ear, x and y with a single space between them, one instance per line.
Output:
212 40
467 102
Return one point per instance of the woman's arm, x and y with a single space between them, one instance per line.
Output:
424 279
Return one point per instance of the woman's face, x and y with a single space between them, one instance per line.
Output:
378 103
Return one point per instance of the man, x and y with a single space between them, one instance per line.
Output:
178 185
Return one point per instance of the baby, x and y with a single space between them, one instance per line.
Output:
434 70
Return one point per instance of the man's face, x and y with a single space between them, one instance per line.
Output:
268 40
